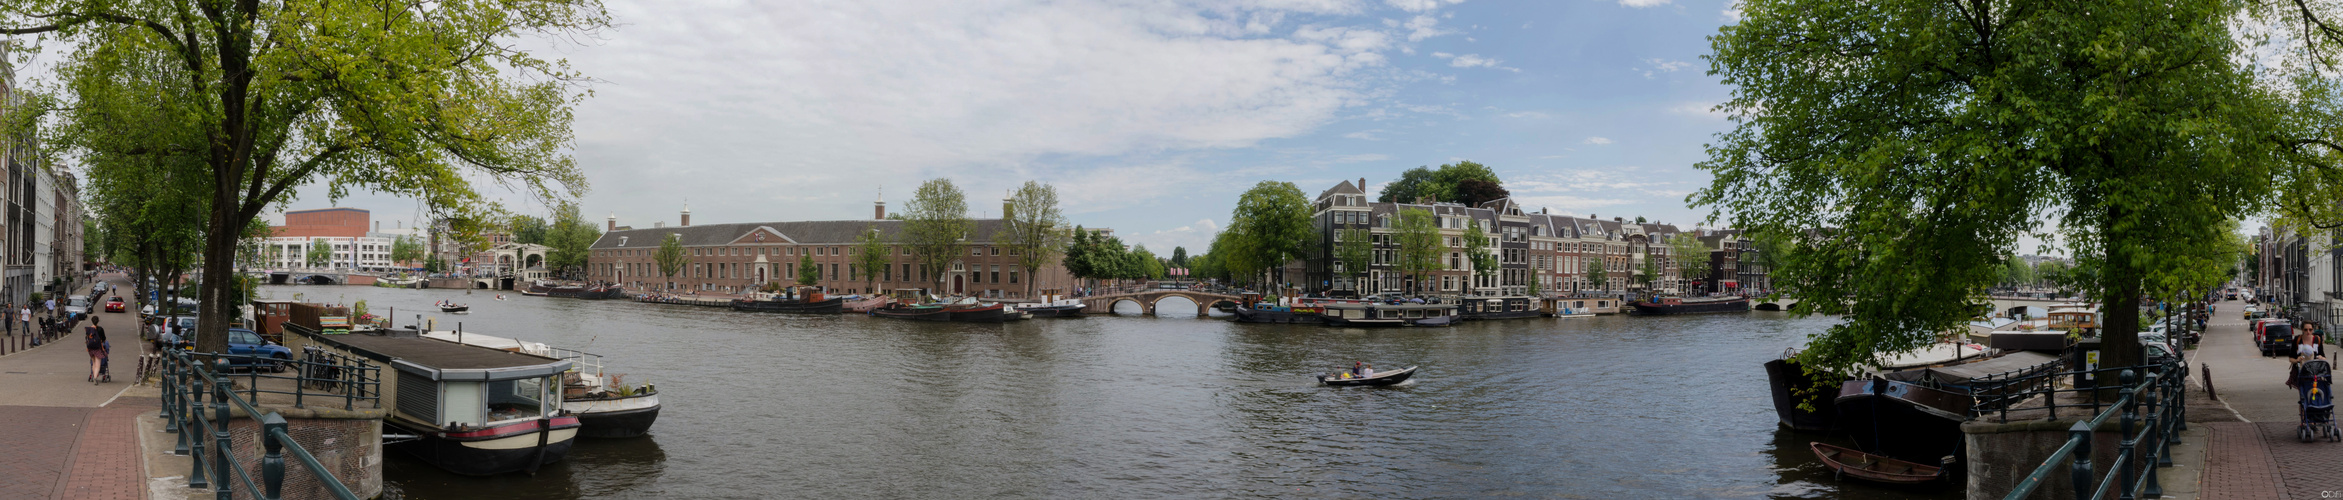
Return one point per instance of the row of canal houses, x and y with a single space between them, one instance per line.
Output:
1553 250
41 230
2300 271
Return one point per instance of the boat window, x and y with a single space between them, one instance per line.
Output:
515 400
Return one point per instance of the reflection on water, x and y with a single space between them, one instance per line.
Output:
762 405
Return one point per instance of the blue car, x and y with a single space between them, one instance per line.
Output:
249 343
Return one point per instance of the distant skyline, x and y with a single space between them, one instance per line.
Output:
1149 117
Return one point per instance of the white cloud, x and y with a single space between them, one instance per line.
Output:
1667 65
1699 109
1598 140
1422 27
1365 135
1360 158
1643 3
1472 61
1733 11
729 103
1419 5
1527 115
1196 237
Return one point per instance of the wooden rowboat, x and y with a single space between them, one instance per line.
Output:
1869 467
1379 378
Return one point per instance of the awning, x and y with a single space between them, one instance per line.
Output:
2012 362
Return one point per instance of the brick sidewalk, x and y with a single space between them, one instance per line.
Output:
37 450
59 442
2238 464
106 463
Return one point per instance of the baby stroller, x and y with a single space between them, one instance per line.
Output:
2314 380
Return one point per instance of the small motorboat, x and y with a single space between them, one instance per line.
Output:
1569 313
978 313
451 307
1869 467
1380 378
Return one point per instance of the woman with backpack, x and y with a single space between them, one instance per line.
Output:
94 338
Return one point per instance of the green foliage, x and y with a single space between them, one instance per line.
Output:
405 250
1462 182
1078 248
1690 256
870 256
671 258
571 238
321 253
1179 256
1143 264
808 272
1270 227
1419 244
1598 275
1355 250
239 103
1647 273
1476 252
1035 229
530 230
935 227
1931 139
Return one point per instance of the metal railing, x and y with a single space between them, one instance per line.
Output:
2037 388
2144 445
197 399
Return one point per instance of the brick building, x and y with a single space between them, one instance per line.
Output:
741 256
1536 252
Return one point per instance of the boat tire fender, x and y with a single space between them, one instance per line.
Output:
540 458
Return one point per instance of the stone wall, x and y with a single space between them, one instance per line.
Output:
2002 454
350 449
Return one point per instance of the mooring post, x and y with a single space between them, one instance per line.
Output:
222 440
2127 449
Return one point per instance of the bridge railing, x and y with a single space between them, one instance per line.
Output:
197 400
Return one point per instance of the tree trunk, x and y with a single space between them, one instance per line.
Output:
219 250
2119 330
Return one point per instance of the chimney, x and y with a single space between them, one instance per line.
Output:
687 216
613 221
1362 184
1007 208
879 211
377 226
1618 219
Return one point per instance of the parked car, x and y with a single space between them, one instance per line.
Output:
249 343
76 307
2275 337
115 304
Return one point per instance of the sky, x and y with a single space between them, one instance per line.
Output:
1149 116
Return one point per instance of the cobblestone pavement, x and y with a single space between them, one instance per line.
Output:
2310 470
37 450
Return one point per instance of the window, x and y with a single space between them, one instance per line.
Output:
833 271
975 251
996 274
996 251
1012 275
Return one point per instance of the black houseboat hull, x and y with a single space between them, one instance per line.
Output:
1903 421
832 306
1251 315
577 293
990 314
1721 306
1473 316
913 314
520 447
1066 311
1792 388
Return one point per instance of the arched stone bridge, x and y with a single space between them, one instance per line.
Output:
1105 304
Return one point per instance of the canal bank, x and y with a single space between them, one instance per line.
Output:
845 406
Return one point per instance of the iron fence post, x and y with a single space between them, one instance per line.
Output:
2125 450
272 464
171 397
2080 474
223 442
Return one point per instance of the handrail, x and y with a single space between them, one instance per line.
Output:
187 381
2165 395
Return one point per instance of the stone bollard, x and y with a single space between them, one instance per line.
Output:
2205 372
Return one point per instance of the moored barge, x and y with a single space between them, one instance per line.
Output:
1697 305
472 410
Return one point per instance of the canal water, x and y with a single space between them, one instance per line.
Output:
782 406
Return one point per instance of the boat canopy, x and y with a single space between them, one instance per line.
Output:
1961 374
440 360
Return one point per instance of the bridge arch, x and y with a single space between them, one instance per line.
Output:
318 279
1146 308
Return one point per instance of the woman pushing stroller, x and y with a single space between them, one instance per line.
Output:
2313 380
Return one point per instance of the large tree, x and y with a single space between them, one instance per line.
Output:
571 239
1929 137
808 272
870 257
1272 226
1477 254
321 253
406 251
1354 250
1034 229
1598 275
1419 245
671 258
261 97
1690 256
936 228
1413 183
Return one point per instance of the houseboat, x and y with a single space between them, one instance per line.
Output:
1507 307
1916 414
1378 315
1580 307
473 410
575 290
605 405
802 300
1265 312
1695 305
